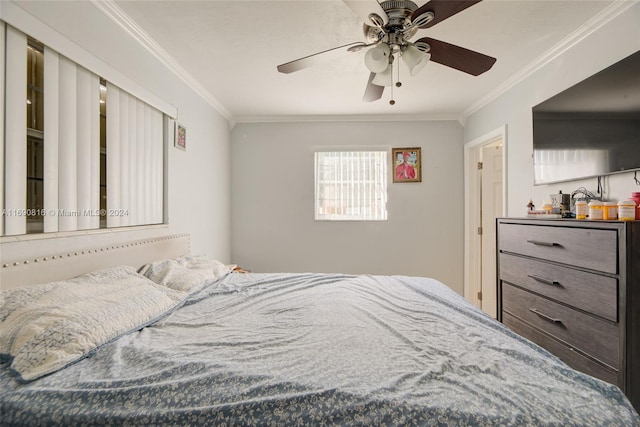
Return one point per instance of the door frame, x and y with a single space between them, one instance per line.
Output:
472 241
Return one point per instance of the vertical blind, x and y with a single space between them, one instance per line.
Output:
78 143
2 85
351 185
135 156
15 161
71 145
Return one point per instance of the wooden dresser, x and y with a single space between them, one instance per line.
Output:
573 287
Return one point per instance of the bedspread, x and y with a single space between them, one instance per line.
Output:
318 349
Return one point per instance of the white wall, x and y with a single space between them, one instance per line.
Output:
273 226
199 185
610 43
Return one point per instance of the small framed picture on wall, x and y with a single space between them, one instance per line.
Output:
180 140
407 164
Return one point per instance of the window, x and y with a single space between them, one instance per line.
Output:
91 154
351 185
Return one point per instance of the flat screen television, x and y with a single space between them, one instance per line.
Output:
591 129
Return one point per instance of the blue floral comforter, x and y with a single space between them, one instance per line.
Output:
318 349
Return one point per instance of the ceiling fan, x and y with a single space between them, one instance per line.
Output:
388 26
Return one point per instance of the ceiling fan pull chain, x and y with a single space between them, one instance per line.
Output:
391 101
398 82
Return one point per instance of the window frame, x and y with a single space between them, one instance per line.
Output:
378 203
36 141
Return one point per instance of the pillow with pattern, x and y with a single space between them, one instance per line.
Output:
46 327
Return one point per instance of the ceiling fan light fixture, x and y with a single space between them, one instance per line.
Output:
415 59
388 26
377 58
384 78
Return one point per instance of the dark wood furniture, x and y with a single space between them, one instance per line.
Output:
573 287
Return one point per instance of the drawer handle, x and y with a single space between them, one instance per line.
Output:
540 243
544 316
543 280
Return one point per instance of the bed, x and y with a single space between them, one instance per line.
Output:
187 340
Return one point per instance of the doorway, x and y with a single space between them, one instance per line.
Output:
485 200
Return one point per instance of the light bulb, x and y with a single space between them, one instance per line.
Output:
377 58
415 59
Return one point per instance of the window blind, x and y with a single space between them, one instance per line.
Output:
351 185
15 161
88 148
135 177
2 85
78 147
71 151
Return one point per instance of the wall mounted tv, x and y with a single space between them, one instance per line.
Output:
591 129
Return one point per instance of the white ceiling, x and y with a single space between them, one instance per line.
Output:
230 50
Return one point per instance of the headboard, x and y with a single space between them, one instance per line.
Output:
41 268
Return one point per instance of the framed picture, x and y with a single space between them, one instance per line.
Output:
180 140
407 164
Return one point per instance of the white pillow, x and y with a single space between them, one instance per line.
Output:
44 328
186 274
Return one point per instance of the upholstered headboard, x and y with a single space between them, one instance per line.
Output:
39 267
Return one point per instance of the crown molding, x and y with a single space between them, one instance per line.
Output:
349 118
609 13
111 10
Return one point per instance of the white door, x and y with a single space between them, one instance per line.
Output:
476 258
491 208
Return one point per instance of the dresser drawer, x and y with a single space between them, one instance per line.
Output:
567 354
595 249
596 337
587 291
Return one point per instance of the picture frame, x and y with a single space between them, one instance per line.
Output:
180 139
407 164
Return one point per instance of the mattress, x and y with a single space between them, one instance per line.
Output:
317 349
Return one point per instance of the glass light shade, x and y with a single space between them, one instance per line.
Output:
415 59
384 78
377 58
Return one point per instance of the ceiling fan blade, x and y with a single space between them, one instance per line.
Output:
365 9
442 9
457 57
372 92
319 57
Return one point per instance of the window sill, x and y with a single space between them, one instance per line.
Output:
100 231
